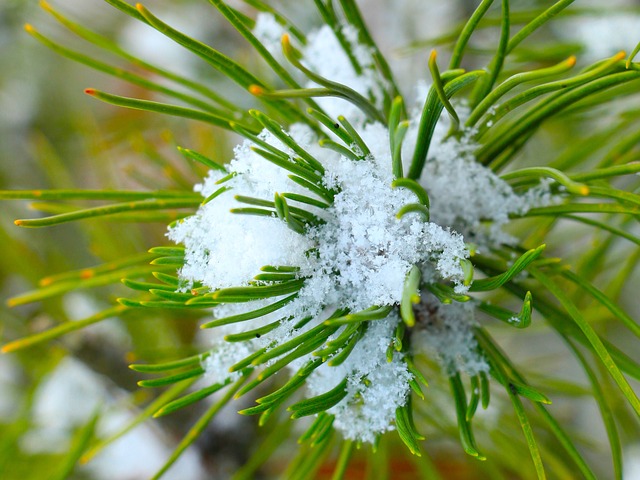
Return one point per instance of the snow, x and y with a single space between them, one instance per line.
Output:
369 407
445 332
269 32
324 55
631 462
359 254
604 35
66 400
465 195
10 396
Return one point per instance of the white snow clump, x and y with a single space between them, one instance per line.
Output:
359 254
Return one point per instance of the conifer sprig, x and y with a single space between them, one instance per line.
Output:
278 318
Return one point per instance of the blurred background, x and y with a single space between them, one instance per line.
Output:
54 136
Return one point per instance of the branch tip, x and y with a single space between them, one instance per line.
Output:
620 55
286 43
256 90
86 274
